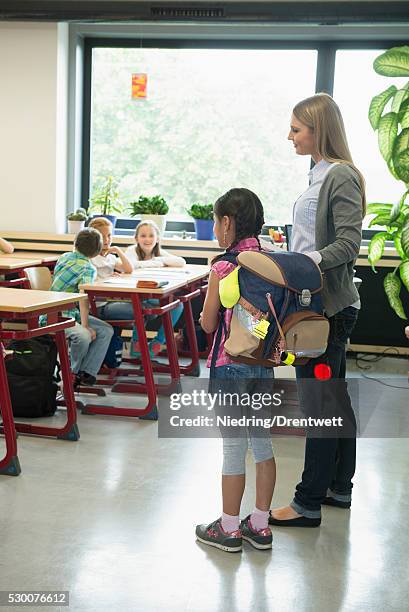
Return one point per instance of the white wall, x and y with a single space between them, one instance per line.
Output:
33 116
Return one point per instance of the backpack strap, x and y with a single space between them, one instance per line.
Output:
216 346
232 258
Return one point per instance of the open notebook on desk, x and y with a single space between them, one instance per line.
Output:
159 274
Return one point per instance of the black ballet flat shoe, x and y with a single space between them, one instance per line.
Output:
330 501
300 521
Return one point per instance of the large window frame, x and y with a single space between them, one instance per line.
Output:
325 69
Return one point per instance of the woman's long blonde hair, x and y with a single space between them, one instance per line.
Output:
322 115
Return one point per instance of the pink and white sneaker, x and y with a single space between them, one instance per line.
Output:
214 535
261 539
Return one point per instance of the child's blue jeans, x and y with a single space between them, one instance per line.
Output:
87 355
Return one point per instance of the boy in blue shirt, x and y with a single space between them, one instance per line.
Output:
90 337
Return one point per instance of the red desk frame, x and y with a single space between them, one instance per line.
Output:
56 325
21 280
167 302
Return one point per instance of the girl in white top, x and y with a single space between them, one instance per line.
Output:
147 253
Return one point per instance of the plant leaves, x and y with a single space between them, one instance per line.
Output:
400 96
382 219
387 131
201 211
378 208
398 245
148 205
394 62
404 118
392 286
404 273
392 169
400 155
397 207
377 105
405 237
395 211
376 247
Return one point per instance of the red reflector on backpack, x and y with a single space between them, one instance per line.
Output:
322 371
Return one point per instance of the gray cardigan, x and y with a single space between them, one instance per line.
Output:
338 232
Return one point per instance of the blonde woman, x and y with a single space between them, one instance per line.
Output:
327 224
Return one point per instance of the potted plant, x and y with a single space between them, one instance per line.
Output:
203 216
153 208
76 220
105 199
393 140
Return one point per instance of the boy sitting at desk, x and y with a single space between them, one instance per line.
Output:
90 337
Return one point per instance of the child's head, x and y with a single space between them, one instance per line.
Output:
88 242
147 240
238 214
104 226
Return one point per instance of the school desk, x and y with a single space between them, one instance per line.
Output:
21 308
183 284
47 259
16 265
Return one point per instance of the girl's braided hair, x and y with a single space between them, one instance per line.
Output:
245 208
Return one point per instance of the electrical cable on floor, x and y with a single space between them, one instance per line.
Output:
374 358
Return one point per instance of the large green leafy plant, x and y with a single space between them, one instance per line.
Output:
389 116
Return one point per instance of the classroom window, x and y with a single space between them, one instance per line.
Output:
212 119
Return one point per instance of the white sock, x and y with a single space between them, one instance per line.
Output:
230 523
259 519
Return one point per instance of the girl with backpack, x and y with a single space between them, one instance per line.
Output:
239 217
327 224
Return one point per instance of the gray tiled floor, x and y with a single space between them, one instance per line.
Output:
111 519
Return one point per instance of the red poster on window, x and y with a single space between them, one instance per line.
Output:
139 85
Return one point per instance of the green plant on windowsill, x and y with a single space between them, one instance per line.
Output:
203 217
393 141
145 205
105 199
201 211
79 215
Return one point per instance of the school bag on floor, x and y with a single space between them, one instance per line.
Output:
113 357
32 373
277 309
